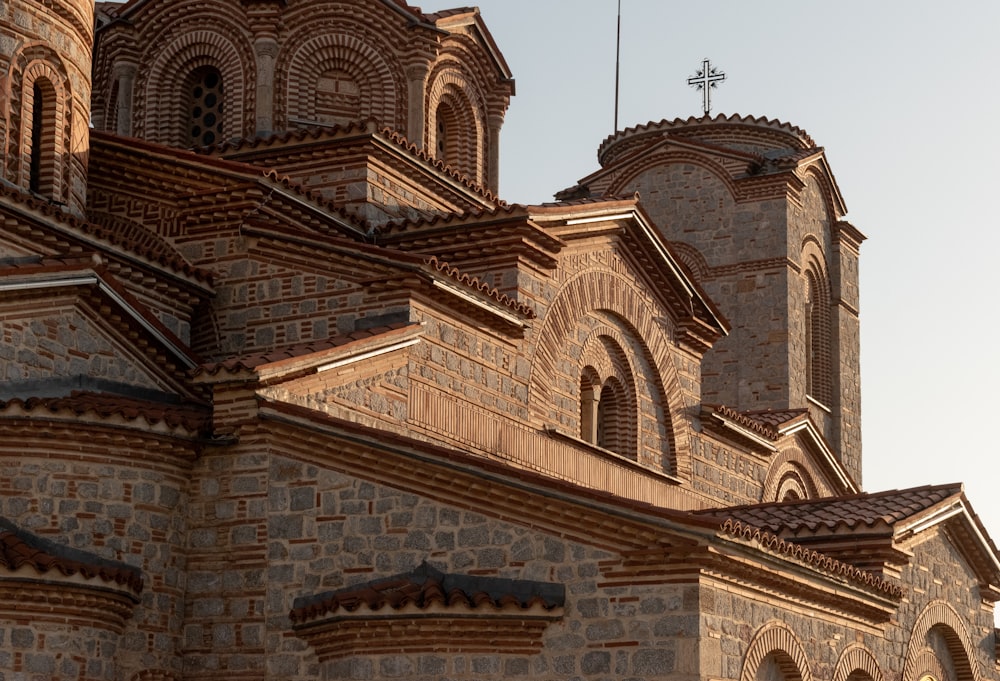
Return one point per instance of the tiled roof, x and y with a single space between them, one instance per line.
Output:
190 417
142 242
855 512
774 418
765 426
137 241
425 587
775 544
299 350
696 121
482 287
189 167
338 131
19 547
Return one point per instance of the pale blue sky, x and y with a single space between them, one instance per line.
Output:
901 94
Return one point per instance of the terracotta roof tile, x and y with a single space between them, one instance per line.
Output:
368 126
186 162
775 544
855 512
425 587
143 242
191 417
299 350
136 240
475 283
774 418
695 121
758 422
19 547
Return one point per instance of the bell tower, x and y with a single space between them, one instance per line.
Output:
44 125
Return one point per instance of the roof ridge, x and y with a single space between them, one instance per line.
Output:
690 121
761 427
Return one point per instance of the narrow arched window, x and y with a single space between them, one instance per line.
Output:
37 127
205 102
817 341
41 160
446 138
610 417
589 402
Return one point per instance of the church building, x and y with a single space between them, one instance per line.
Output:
288 391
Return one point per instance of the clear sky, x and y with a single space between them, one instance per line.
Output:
903 97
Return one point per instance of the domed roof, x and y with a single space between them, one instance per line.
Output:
760 136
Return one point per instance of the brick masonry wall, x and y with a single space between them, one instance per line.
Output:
34 650
743 246
269 528
61 337
57 44
937 583
262 303
116 493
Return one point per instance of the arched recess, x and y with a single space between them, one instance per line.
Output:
789 471
338 78
164 87
606 293
39 140
939 620
857 663
827 189
775 652
456 123
816 315
692 259
625 178
609 413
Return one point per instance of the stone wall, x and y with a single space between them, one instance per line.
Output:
120 494
268 528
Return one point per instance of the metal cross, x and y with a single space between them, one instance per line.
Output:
706 79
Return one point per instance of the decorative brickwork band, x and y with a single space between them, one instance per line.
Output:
940 617
780 643
858 664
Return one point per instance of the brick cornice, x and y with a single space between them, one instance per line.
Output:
513 634
657 545
57 600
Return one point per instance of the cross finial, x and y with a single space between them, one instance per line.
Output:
706 79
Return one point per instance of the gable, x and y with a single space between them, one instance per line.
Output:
66 328
61 340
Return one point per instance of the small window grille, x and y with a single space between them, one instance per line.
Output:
206 98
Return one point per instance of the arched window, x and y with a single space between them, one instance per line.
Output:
589 404
205 97
42 162
446 138
817 340
456 135
603 413
610 413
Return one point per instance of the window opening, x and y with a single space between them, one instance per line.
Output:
205 110
37 136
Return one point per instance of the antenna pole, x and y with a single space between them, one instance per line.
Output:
618 52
